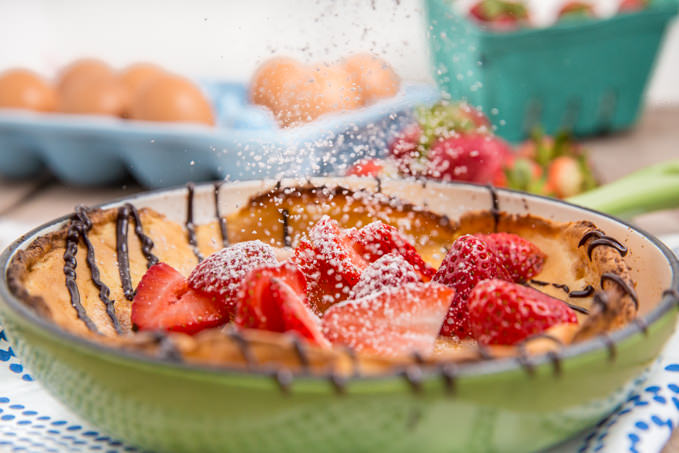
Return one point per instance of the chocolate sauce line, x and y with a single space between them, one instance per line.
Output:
577 293
449 375
413 375
190 227
300 350
285 219
243 345
622 284
122 246
378 181
221 220
122 252
104 291
524 357
495 206
70 265
601 239
585 292
146 241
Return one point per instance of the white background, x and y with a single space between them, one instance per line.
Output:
228 38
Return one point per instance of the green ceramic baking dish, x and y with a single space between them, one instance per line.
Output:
509 404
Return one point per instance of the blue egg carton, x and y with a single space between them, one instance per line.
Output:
245 144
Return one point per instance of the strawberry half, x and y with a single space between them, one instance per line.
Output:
389 271
164 301
468 262
220 274
366 167
505 313
522 259
329 262
468 157
273 298
576 9
378 239
394 322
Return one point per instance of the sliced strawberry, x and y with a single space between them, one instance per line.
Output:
576 9
627 6
220 274
394 322
366 167
502 312
468 157
468 262
390 271
330 264
522 258
273 298
501 14
378 239
164 301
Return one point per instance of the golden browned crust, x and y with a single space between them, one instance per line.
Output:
261 219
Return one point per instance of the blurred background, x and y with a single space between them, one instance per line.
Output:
207 38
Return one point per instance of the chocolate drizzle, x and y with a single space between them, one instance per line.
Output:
413 374
449 375
104 291
585 292
300 350
610 345
555 285
601 299
524 359
242 343
601 239
166 347
622 284
221 220
642 325
73 234
495 206
283 378
565 288
285 219
122 246
378 181
190 227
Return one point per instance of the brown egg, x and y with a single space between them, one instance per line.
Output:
331 88
375 76
277 84
83 69
24 89
137 75
99 95
171 98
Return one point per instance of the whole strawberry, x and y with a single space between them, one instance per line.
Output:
468 157
505 313
469 261
522 259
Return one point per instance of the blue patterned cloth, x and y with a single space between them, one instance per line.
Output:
32 421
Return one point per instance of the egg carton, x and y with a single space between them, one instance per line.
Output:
246 142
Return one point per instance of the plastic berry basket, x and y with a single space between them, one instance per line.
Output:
245 144
586 76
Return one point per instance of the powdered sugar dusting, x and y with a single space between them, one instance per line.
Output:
391 270
221 273
392 322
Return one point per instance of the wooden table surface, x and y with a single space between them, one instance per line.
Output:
654 139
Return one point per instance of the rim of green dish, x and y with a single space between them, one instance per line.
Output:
486 367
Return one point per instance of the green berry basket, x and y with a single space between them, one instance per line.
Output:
587 76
